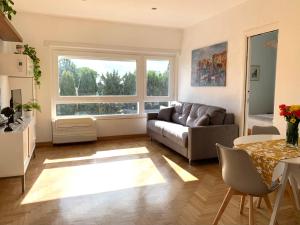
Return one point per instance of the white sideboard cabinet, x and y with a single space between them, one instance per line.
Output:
16 149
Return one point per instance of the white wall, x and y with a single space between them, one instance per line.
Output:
261 99
232 26
38 29
5 92
1 46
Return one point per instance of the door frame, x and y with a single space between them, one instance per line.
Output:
247 35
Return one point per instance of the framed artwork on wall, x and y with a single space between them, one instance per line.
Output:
209 65
254 72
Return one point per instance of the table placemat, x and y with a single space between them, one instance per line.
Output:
267 154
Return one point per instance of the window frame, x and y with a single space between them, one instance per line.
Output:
170 80
141 81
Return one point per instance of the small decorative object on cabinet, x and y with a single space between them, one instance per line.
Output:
19 49
28 108
8 113
292 116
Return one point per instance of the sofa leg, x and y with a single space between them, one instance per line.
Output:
190 161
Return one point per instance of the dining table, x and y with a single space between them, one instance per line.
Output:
282 165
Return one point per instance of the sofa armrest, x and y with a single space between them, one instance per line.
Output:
202 140
152 116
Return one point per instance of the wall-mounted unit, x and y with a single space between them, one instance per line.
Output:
16 65
74 130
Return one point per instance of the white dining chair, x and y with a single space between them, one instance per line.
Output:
241 176
265 130
258 130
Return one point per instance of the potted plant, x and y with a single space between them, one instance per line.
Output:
6 7
28 108
31 52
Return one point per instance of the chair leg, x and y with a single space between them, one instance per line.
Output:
269 206
225 202
251 212
242 204
258 204
291 187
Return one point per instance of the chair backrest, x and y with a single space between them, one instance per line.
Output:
265 130
239 172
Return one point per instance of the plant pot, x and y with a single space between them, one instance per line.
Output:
19 49
292 134
28 114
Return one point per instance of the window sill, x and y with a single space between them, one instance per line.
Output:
104 117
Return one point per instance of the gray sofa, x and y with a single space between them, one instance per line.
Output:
192 129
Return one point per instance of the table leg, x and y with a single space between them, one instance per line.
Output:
295 190
280 193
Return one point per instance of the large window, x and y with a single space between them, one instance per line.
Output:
99 84
96 109
89 77
158 72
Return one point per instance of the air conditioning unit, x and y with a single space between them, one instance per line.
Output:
74 130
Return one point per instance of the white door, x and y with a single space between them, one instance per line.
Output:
260 82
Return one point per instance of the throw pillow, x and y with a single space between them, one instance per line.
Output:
165 114
202 121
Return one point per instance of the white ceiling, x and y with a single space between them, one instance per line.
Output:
169 13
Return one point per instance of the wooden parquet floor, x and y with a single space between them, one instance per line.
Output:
124 182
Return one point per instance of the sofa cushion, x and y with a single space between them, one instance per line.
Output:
181 112
202 121
229 118
165 114
216 114
156 126
193 116
176 133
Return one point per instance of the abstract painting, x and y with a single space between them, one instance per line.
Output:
209 65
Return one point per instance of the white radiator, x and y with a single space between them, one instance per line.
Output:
74 130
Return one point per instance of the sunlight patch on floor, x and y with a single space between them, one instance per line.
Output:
63 182
102 155
182 173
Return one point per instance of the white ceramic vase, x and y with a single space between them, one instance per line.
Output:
28 114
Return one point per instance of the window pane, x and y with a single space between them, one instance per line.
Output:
96 109
154 106
91 77
158 73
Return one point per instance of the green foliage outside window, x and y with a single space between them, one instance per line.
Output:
87 82
67 84
157 83
84 81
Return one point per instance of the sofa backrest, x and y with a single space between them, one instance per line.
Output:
188 114
229 118
181 112
216 114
